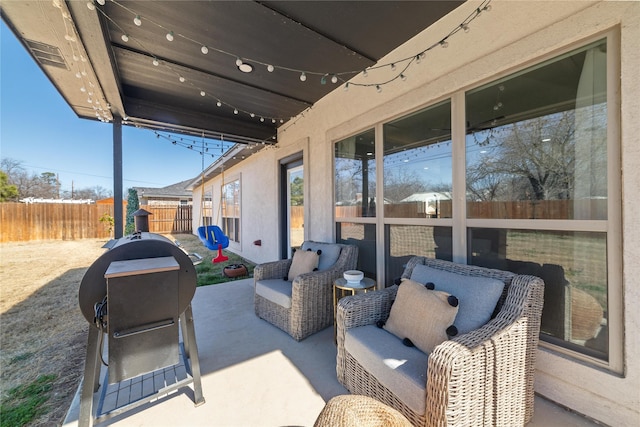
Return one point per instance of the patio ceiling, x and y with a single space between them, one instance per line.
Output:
80 47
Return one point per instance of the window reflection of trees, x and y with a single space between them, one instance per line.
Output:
539 159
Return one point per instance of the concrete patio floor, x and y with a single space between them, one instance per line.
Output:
253 374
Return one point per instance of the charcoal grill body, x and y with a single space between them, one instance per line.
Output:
149 283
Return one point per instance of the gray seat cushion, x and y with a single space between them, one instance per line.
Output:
328 257
477 296
401 369
275 290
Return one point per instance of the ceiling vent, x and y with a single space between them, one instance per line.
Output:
46 54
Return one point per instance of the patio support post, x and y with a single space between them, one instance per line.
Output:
117 178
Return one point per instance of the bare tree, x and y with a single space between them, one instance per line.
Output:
400 183
527 160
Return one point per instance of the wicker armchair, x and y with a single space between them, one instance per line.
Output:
482 378
311 294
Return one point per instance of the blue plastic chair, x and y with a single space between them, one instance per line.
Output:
213 237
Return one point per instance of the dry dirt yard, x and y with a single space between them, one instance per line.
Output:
42 330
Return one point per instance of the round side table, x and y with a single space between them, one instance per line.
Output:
342 288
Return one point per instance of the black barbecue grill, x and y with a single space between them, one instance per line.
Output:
136 294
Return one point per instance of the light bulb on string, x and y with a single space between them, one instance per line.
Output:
101 2
155 62
346 87
393 67
270 68
91 6
418 59
323 80
444 43
202 93
334 79
378 88
219 104
170 36
238 62
364 73
303 77
403 77
204 50
182 79
137 20
125 38
465 28
235 111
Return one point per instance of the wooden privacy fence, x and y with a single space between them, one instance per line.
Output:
47 221
169 218
44 221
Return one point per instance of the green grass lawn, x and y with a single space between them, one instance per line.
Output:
210 273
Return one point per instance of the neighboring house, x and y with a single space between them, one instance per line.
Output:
561 72
174 194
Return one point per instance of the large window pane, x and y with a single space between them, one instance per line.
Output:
364 237
417 164
355 169
537 141
406 241
573 266
231 210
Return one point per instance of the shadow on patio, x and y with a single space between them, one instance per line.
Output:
253 374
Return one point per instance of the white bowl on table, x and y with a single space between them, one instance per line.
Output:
353 277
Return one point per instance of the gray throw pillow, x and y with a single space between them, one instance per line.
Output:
329 255
477 296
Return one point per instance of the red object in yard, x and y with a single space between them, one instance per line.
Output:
220 257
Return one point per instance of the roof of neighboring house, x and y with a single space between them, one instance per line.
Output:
174 190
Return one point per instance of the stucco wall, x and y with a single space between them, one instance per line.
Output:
512 35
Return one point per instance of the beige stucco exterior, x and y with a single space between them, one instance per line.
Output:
513 35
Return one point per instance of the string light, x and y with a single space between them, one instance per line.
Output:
80 60
398 66
204 146
464 26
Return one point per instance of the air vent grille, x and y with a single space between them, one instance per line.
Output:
46 54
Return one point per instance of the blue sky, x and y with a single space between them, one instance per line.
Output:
38 128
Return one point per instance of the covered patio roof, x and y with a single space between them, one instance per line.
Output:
210 68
